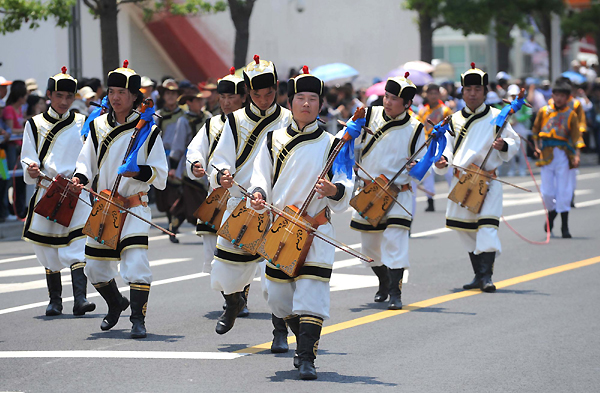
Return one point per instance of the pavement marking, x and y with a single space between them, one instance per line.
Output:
433 301
121 355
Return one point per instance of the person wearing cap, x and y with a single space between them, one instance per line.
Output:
521 123
303 147
101 159
212 102
243 133
51 143
147 87
4 88
476 135
434 110
193 192
556 131
397 137
170 113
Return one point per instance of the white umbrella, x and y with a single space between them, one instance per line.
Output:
419 65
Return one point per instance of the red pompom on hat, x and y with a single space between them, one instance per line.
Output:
64 69
257 59
406 74
125 63
473 65
305 69
232 71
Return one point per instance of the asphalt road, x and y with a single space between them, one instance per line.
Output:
537 333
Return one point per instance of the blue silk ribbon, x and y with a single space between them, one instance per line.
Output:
131 162
437 144
344 162
516 105
95 113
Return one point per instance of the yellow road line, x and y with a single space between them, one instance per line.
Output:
432 302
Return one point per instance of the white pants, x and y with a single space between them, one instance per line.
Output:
210 243
389 248
557 183
55 259
135 268
304 296
483 240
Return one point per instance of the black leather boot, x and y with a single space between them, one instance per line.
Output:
139 302
384 283
116 302
173 227
395 289
551 216
430 207
79 281
565 225
280 333
476 283
293 322
235 304
308 343
54 293
486 261
245 312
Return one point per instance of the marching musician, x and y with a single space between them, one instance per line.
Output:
232 96
475 131
434 110
101 157
193 191
397 137
243 133
556 132
288 162
51 142
167 122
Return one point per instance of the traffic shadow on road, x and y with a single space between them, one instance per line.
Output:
214 315
68 316
125 334
513 291
329 376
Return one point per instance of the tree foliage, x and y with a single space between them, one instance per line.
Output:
15 13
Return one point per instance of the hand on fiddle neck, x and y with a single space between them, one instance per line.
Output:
325 188
197 170
441 163
226 180
499 144
75 185
33 170
258 203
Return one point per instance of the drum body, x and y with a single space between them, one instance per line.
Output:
372 203
105 222
58 203
212 209
245 228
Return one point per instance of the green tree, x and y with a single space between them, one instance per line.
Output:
15 13
580 23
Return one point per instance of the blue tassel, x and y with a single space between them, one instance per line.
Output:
438 144
95 113
344 162
516 105
131 163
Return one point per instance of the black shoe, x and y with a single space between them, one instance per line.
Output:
173 239
395 289
384 283
551 216
245 311
307 370
79 281
54 292
296 360
235 304
487 269
139 303
565 225
116 302
280 333
430 207
476 283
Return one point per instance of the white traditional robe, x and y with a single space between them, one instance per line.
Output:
243 134
474 135
53 142
100 158
384 153
285 170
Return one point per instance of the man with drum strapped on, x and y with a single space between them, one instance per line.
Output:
475 131
101 157
51 142
288 164
243 133
397 137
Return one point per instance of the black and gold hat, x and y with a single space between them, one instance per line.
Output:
62 82
260 74
126 78
231 84
305 82
401 87
474 77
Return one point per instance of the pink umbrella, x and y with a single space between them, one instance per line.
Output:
417 77
377 89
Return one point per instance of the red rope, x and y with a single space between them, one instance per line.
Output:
524 156
14 181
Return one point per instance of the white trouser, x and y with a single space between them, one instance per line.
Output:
55 259
557 183
232 277
210 243
389 248
300 297
483 240
135 268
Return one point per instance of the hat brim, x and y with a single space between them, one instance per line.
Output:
185 98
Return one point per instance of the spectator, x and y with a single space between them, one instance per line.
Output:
4 173
35 106
4 89
147 87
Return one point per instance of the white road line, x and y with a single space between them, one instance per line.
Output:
121 355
